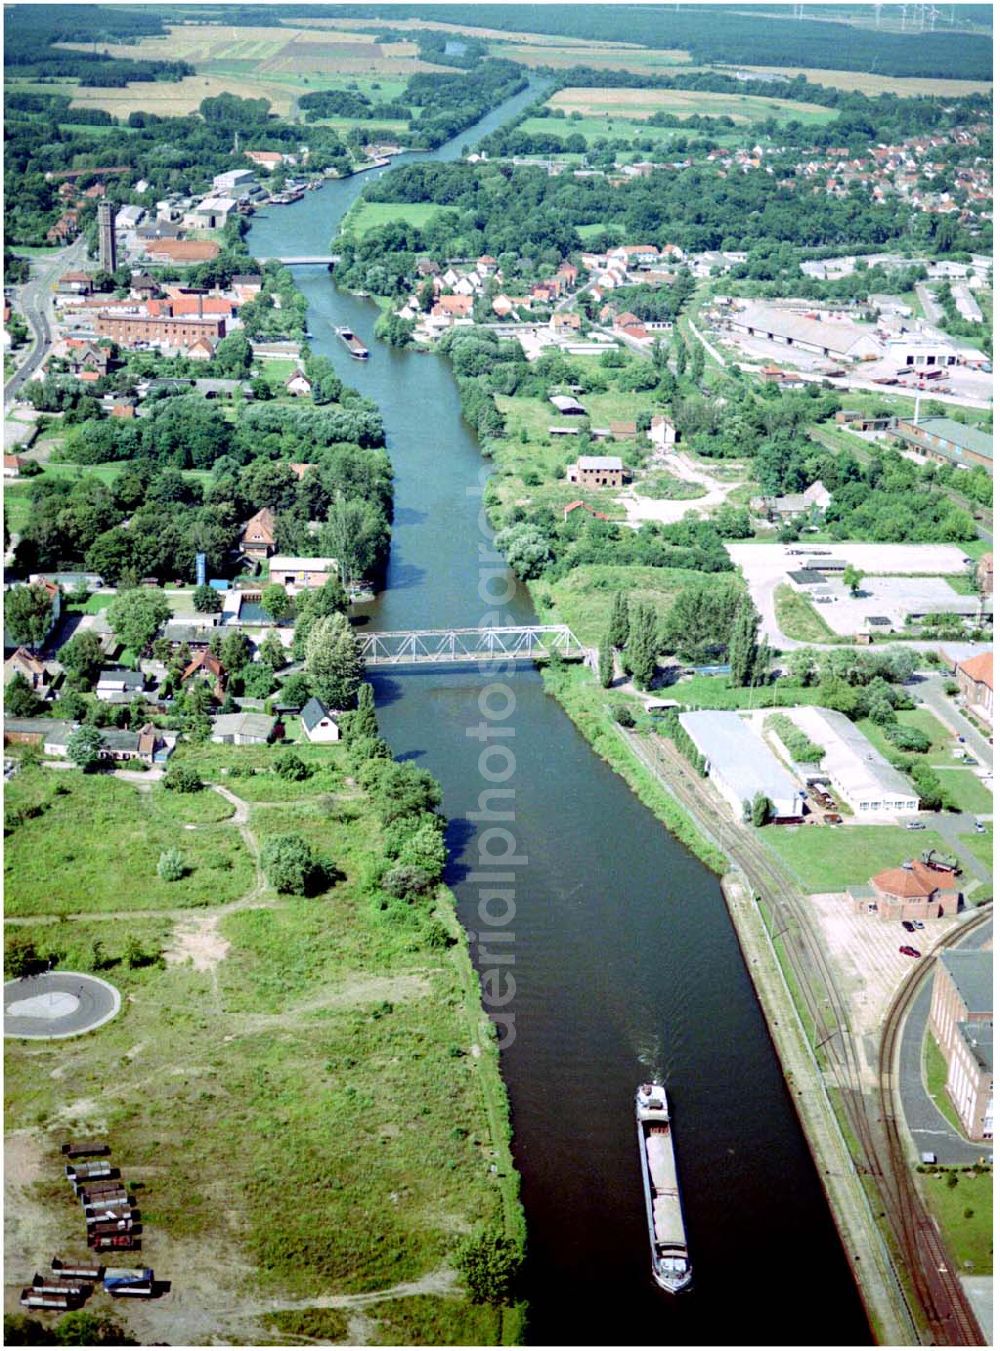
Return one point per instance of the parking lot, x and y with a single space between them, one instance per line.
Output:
864 951
766 566
893 597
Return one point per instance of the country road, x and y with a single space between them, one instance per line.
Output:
34 298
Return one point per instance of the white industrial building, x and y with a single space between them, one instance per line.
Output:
741 765
860 774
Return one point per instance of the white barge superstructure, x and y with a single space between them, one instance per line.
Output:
667 1239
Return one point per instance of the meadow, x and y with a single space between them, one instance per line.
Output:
366 216
584 597
306 1089
642 103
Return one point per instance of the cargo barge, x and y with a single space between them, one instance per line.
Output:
353 343
667 1239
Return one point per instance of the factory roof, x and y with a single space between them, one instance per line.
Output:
972 975
738 754
850 757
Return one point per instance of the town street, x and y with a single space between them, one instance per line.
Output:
34 299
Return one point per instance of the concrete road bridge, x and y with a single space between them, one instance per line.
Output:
420 647
305 260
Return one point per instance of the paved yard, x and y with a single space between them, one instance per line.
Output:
864 951
894 597
766 566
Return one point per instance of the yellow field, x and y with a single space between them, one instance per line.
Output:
172 100
640 60
638 104
904 87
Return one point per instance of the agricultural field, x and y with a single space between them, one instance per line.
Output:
277 63
305 1092
563 55
639 104
622 129
860 82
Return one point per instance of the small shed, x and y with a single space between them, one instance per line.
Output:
569 407
243 729
319 723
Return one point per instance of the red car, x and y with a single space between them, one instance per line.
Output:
907 951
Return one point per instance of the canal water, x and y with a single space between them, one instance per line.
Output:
626 964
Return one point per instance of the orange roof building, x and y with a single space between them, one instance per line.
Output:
183 250
975 683
916 890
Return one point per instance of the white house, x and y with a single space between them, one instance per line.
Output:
662 432
118 685
318 723
243 729
298 384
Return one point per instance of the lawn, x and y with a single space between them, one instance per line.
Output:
95 842
799 619
968 792
829 858
367 216
980 843
703 691
332 1056
965 1216
936 1074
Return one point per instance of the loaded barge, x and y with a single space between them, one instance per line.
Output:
353 343
667 1239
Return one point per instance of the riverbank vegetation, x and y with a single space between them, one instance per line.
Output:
338 1038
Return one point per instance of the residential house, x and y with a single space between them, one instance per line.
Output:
975 683
258 540
75 284
49 733
814 501
24 663
298 574
12 465
662 432
124 406
117 685
318 723
243 729
202 349
208 669
565 321
298 384
597 471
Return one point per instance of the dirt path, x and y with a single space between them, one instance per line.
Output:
668 511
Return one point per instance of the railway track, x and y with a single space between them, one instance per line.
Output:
936 1289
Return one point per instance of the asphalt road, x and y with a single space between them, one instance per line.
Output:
57 1004
930 688
34 299
929 1129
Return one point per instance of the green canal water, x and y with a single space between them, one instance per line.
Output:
625 961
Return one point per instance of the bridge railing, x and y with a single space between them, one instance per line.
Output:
529 642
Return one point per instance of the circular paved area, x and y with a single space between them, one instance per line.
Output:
57 1004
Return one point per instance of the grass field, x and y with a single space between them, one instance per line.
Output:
311 1051
594 128
366 216
967 791
95 846
642 103
798 618
980 844
965 1216
825 858
583 598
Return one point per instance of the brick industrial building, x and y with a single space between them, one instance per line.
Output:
164 331
961 1021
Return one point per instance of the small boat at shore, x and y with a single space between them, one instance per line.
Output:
665 1220
353 343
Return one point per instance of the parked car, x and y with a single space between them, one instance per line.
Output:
979 828
832 819
915 825
907 951
908 926
918 923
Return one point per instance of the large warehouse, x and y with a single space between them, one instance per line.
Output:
741 765
842 340
860 774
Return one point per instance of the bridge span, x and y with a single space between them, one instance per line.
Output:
419 647
305 260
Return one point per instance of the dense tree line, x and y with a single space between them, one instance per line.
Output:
731 36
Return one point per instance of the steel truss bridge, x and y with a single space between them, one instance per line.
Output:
432 646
